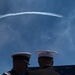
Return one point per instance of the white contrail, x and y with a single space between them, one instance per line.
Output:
39 13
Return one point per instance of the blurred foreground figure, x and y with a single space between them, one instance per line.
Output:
20 64
45 60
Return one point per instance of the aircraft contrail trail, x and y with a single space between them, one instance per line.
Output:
38 13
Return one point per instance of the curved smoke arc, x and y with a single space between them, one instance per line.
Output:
38 13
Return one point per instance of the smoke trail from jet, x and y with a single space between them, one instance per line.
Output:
38 13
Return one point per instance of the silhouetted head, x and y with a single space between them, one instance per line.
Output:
45 58
21 61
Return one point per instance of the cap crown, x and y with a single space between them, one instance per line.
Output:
27 54
46 53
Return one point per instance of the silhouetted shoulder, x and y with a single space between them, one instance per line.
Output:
47 71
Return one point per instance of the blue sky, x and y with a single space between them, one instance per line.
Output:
37 32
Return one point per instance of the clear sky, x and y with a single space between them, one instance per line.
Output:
31 32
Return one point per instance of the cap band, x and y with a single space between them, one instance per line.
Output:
21 58
46 55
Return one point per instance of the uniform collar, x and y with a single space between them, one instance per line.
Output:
13 72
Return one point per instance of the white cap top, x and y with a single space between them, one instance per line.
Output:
46 53
26 54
